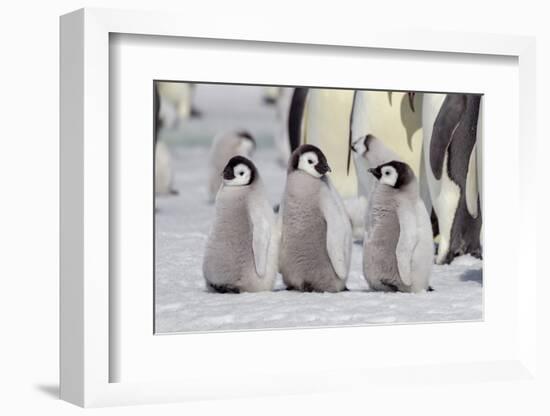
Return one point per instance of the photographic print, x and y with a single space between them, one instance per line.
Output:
297 207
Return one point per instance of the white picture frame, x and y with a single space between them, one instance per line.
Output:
87 302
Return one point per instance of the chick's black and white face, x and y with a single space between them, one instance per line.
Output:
240 175
388 176
394 174
307 163
309 159
237 175
310 163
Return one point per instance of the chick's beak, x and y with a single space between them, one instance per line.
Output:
376 173
322 168
228 173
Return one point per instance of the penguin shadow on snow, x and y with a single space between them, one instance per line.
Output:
472 276
394 292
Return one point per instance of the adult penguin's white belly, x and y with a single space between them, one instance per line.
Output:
451 156
395 118
280 138
430 109
327 126
359 123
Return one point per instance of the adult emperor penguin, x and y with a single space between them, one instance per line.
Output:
241 251
225 146
451 125
316 234
175 101
281 137
398 251
164 176
395 118
327 126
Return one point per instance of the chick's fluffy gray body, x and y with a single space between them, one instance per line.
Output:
379 258
229 257
380 264
304 260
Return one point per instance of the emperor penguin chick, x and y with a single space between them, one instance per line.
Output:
398 251
241 251
316 233
370 152
224 147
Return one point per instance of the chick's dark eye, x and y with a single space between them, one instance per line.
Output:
310 161
241 173
387 173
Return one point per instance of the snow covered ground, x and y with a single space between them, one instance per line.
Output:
182 304
182 223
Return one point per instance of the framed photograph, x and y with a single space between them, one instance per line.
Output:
278 212
201 248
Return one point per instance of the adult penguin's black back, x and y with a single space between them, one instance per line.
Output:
455 129
295 117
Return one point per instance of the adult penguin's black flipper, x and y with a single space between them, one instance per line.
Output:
295 117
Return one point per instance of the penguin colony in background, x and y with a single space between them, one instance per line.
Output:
397 171
164 175
172 103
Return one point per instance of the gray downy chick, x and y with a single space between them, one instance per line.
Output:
398 252
241 251
316 233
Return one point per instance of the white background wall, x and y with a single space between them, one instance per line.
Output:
29 57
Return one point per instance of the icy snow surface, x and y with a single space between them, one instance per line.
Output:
182 303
